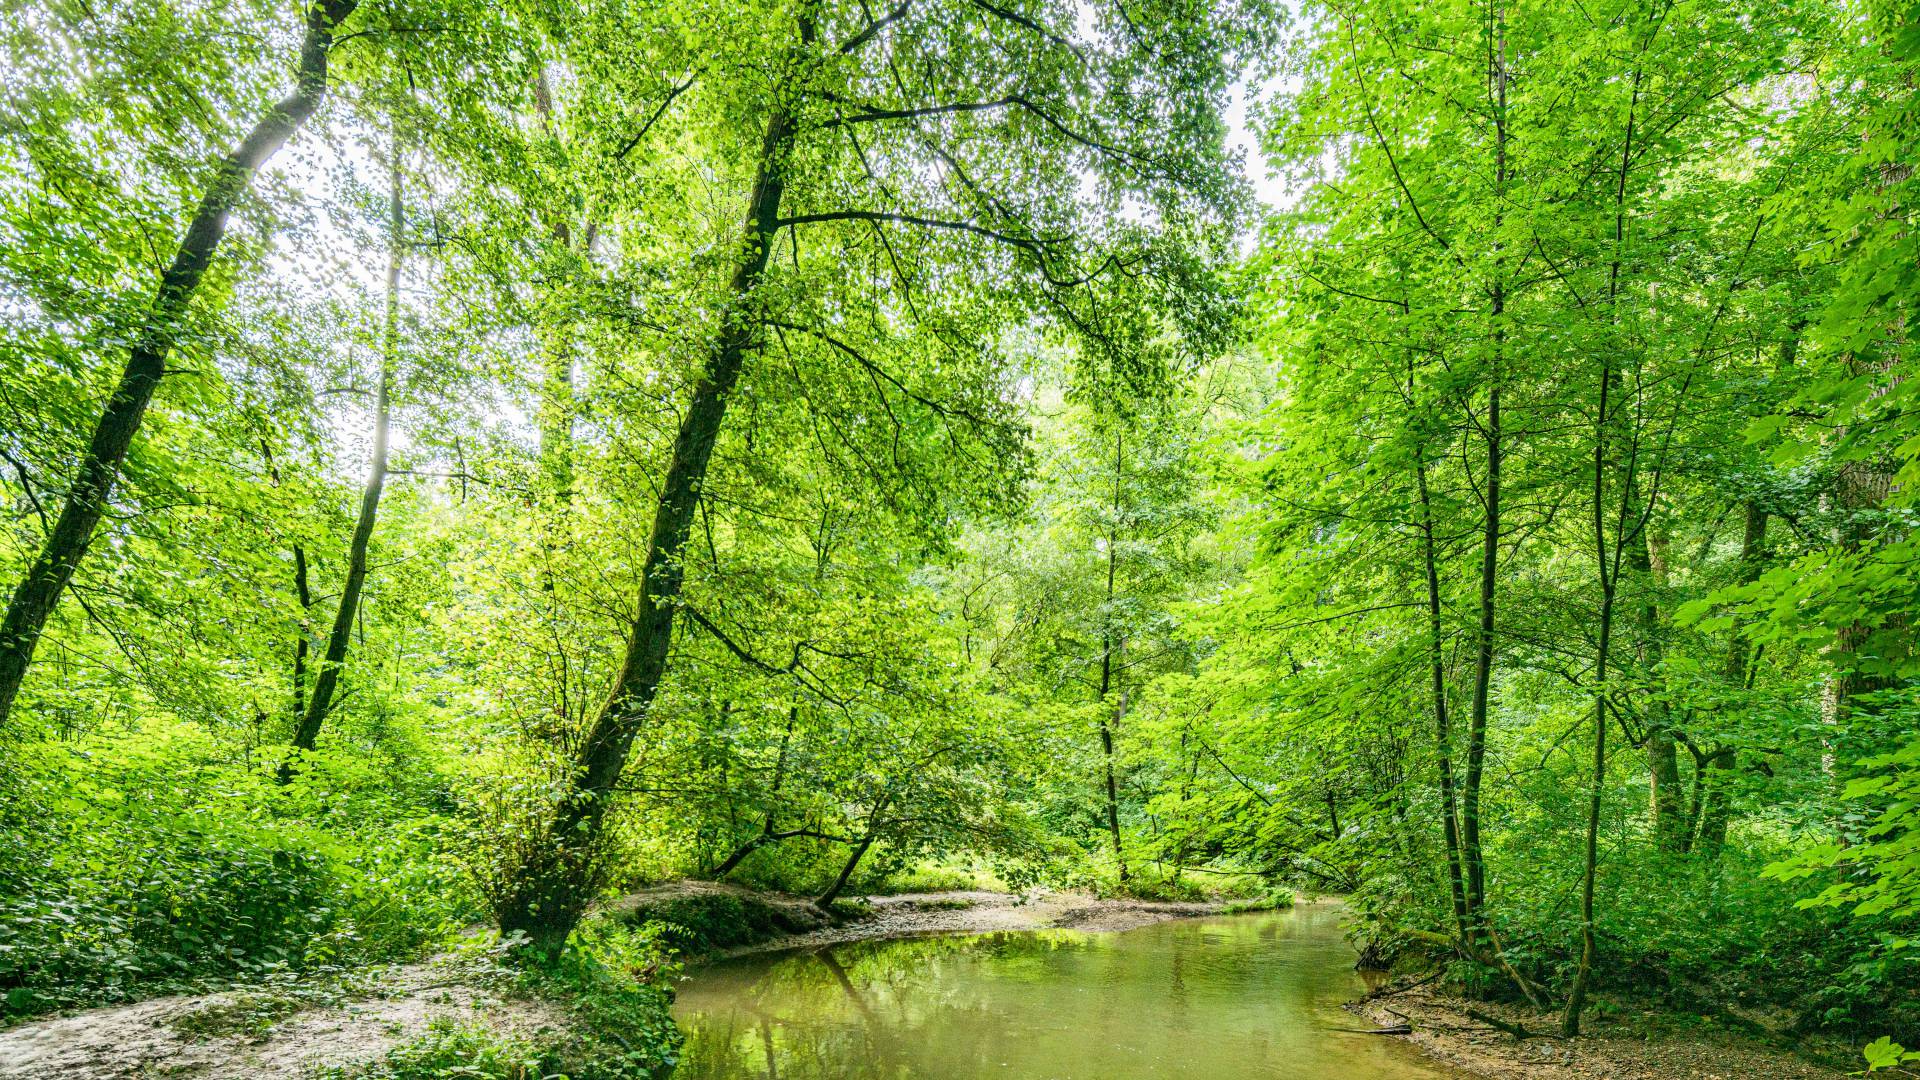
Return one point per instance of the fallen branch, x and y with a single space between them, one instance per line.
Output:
1398 987
1514 1028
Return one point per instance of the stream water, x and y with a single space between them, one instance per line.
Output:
1227 998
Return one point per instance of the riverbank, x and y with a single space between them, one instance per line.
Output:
729 921
1628 1046
284 1029
346 1023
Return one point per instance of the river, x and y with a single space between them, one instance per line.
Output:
1226 998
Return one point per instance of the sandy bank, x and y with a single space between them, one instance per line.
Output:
968 912
1611 1050
269 1031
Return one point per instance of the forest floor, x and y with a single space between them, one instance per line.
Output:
302 1028
1626 1046
279 1030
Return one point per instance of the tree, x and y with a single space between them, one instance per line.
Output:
838 97
333 659
67 540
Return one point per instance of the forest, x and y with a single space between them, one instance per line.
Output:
465 464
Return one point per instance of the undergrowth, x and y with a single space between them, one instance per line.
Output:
132 868
613 981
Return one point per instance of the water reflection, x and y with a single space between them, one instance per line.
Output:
1220 999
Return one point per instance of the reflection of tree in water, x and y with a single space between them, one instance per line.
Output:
858 1010
1225 999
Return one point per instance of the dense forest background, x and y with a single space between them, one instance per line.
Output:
463 461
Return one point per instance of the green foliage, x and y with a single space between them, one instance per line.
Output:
136 866
250 1015
1880 869
695 923
612 980
1036 538
1277 900
1884 1053
459 1052
934 877
615 980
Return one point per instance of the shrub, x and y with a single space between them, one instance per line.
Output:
710 920
131 868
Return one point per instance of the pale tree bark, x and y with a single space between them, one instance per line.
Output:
66 544
326 677
1859 491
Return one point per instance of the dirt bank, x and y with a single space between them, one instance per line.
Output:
717 920
984 912
1618 1049
269 1032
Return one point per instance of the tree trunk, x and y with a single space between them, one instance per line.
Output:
766 834
327 677
1482 670
39 592
1716 807
1627 543
1107 723
303 644
1470 847
556 397
1862 486
825 900
1442 730
1663 745
1589 946
549 892
732 862
1107 645
302 592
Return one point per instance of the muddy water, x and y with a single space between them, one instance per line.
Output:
1227 998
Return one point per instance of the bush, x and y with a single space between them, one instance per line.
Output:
129 869
698 920
1277 900
461 1051
929 877
615 979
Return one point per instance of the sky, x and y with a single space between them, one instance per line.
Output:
1271 190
